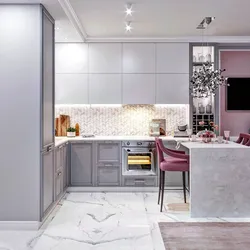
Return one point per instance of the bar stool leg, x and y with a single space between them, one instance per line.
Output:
159 193
162 188
184 186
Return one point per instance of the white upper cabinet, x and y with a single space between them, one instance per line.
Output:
71 89
138 89
172 58
105 89
172 89
105 58
138 58
71 58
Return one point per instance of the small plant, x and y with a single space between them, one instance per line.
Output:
71 129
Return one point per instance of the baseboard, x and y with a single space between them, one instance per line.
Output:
112 189
20 225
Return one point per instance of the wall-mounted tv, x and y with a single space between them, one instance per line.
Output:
238 93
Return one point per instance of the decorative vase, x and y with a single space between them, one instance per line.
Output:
206 139
71 134
201 108
206 135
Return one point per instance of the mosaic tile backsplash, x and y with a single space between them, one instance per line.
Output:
125 120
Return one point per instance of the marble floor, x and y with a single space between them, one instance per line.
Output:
99 221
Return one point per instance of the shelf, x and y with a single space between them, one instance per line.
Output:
200 63
141 160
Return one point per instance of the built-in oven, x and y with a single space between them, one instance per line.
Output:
138 158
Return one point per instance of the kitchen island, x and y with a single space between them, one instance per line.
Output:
219 179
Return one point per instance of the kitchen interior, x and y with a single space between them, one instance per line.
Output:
96 103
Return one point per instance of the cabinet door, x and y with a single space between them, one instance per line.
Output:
47 179
59 157
65 166
138 58
105 89
108 176
58 183
172 58
138 89
71 58
72 89
48 81
105 58
108 153
81 164
172 89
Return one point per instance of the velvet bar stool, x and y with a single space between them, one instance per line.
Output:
244 139
177 161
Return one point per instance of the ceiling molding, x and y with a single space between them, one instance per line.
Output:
189 39
73 18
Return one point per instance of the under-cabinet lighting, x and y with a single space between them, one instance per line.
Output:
170 105
106 105
72 105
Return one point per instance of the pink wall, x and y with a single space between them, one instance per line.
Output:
237 64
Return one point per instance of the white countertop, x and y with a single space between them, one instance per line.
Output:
60 140
200 144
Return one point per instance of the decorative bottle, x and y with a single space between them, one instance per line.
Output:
77 127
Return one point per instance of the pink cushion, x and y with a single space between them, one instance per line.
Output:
174 164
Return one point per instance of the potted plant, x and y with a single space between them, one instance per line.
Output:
71 132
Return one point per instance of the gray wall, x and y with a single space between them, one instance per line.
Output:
20 69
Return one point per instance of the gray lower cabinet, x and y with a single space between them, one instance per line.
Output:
48 179
82 164
108 176
58 183
139 181
108 152
65 165
60 170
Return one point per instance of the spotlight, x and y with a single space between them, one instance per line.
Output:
129 10
128 27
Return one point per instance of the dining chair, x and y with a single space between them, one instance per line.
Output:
244 139
177 161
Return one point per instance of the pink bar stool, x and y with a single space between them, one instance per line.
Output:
178 161
244 139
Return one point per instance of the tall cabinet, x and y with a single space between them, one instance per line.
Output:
203 108
47 115
27 102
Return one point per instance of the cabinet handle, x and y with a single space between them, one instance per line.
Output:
60 146
60 173
108 165
139 181
49 148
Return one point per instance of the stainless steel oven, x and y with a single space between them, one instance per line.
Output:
138 158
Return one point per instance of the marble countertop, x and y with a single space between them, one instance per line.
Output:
200 144
61 140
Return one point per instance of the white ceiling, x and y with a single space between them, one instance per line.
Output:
163 18
151 19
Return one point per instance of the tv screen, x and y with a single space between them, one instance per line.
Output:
238 94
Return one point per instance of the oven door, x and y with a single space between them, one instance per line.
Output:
138 161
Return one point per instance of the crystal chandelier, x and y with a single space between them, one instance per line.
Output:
206 81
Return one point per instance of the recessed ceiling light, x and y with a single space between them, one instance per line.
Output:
57 28
129 10
128 27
